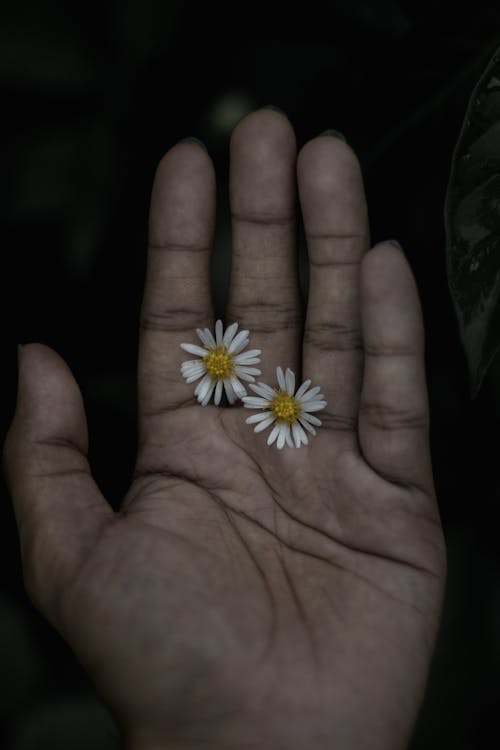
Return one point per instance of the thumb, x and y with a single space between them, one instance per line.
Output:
59 509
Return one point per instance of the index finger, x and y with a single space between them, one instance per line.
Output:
177 297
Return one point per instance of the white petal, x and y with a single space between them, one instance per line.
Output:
206 338
241 337
254 402
204 387
284 428
257 417
187 371
251 353
238 387
238 350
281 378
193 349
296 435
310 394
229 334
244 376
303 388
299 435
231 396
303 435
305 417
218 332
189 368
191 363
263 390
218 392
273 434
290 381
288 439
190 373
210 338
249 361
265 423
308 426
192 378
247 370
314 405
208 394
202 384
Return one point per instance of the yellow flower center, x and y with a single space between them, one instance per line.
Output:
286 408
219 363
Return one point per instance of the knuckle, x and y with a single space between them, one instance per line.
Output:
333 337
338 422
327 261
264 316
179 320
168 246
263 218
387 417
388 350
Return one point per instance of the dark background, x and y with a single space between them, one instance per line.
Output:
92 96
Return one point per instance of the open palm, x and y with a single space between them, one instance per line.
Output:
244 596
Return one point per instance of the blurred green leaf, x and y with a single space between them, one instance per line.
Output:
46 53
146 27
472 221
227 110
45 176
70 175
385 15
67 723
95 191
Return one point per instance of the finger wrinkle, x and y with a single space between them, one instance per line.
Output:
266 314
60 442
336 236
265 219
172 247
337 422
173 321
388 418
385 350
327 263
333 337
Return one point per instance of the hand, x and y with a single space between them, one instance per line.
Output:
246 597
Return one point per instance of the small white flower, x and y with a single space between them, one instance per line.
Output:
222 363
290 411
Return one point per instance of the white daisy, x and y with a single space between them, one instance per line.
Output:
222 363
290 411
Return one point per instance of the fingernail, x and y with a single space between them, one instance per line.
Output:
192 139
335 134
395 243
274 108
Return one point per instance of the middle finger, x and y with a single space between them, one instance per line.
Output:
264 292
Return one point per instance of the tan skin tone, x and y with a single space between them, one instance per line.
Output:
246 597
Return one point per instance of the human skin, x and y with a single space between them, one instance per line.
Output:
245 597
